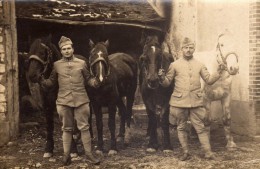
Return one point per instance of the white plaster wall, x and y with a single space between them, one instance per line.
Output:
214 17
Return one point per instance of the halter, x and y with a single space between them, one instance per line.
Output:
224 58
99 59
44 63
152 65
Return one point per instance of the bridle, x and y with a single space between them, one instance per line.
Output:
99 59
224 58
151 65
44 63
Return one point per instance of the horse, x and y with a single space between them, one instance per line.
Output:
117 76
155 97
224 54
42 55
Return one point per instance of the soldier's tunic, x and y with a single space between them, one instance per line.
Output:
186 100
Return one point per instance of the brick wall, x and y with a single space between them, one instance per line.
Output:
254 57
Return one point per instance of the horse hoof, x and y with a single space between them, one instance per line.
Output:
99 152
231 146
112 152
120 139
150 150
127 135
47 155
74 155
167 151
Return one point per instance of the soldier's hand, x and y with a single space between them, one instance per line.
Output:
40 79
221 68
94 83
161 74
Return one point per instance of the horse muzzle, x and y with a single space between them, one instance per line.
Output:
153 84
233 70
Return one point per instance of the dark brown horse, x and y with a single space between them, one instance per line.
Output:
117 76
42 55
155 97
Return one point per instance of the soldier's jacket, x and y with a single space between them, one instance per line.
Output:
71 76
187 87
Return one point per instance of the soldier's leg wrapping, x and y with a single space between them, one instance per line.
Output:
198 118
66 116
181 117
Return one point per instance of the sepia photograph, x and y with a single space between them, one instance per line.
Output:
130 84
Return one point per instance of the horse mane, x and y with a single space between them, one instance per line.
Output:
34 48
56 52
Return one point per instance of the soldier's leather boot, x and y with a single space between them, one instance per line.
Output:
185 156
66 160
211 156
91 158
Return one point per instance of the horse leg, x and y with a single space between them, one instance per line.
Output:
90 121
207 120
99 124
122 111
49 138
227 122
165 127
129 106
112 128
153 141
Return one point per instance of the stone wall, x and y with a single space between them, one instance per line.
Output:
4 136
9 104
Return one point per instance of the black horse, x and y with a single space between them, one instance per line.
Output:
42 55
155 97
117 76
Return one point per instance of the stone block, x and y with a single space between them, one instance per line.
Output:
1 39
3 107
2 68
2 49
2 98
2 57
2 88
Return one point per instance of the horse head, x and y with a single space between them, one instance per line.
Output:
226 54
42 54
151 61
98 60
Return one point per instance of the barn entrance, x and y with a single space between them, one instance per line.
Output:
124 32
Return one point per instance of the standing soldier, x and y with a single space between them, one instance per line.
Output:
186 101
71 73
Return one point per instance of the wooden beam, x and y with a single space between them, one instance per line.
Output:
82 23
10 38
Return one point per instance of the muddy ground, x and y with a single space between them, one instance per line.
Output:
26 151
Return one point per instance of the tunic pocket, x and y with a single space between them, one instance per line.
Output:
177 94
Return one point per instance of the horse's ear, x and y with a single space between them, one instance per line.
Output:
91 43
48 40
107 43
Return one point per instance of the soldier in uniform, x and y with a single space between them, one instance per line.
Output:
186 101
71 75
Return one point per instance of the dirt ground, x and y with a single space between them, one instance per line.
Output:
26 151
